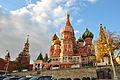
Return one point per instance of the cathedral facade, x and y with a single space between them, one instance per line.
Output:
68 52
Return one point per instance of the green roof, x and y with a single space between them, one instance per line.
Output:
40 57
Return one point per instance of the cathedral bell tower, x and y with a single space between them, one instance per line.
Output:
68 41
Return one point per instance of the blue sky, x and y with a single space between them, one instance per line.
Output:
46 17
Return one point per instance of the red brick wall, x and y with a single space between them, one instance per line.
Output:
2 64
11 66
24 61
30 67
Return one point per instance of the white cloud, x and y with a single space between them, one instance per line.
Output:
92 0
0 6
77 31
69 3
39 20
79 21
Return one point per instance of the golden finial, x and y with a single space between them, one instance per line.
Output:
67 20
68 15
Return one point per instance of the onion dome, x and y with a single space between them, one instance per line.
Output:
67 27
57 41
54 37
80 40
87 33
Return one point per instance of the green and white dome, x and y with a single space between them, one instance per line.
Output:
87 33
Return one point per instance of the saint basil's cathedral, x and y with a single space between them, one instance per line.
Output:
67 52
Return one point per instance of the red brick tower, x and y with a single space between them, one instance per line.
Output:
7 64
24 56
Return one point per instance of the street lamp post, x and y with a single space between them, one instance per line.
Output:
113 67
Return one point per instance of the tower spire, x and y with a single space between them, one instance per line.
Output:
27 39
68 19
26 45
67 16
54 37
102 35
86 26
